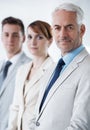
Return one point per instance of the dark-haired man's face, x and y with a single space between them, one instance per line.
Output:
12 38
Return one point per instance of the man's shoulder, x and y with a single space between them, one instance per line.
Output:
1 62
24 58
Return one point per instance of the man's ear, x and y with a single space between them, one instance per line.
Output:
82 30
24 38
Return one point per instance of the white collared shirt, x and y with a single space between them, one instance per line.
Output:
14 60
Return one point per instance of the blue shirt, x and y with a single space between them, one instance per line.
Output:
70 56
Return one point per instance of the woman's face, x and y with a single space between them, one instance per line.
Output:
37 43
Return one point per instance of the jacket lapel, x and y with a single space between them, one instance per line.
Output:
33 80
25 73
40 72
1 65
20 61
45 82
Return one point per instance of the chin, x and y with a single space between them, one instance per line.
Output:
34 53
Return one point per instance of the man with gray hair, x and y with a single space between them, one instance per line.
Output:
65 103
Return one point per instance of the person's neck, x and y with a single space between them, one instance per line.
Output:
10 55
37 62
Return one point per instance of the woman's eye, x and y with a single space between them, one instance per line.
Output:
40 37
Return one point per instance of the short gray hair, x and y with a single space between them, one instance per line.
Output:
73 8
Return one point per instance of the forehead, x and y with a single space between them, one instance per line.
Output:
63 17
11 28
34 29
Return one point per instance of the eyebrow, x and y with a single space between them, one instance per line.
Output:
64 26
56 25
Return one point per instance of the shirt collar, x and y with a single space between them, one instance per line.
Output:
15 58
69 57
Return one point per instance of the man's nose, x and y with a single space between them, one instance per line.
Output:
63 32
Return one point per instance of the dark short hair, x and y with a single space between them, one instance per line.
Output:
13 20
43 27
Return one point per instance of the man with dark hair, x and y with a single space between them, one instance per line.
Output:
13 37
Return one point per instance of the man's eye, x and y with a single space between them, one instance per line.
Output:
70 27
29 37
57 28
6 35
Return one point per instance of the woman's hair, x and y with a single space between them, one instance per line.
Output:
74 8
41 27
